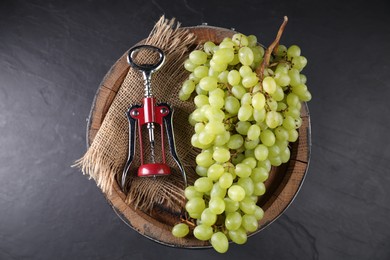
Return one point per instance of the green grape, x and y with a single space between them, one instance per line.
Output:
261 152
215 171
250 160
251 144
238 91
214 73
299 62
203 184
293 112
209 47
246 99
226 180
217 205
250 80
240 39
275 161
203 232
219 242
221 155
303 78
217 93
183 96
206 137
281 50
188 87
281 133
289 123
188 65
267 137
222 139
223 56
242 127
282 68
217 191
272 104
252 40
259 213
223 76
272 119
258 190
292 135
232 105
201 171
245 71
218 67
226 44
236 193
198 57
247 184
259 115
238 158
249 223
253 132
281 106
214 128
208 218
295 79
235 60
298 122
266 164
213 113
299 89
285 155
269 85
195 205
293 51
190 192
238 236
201 100
306 96
245 112
231 205
278 95
234 77
259 174
258 53
292 99
245 55
235 142
193 78
243 170
233 220
282 79
199 90
250 154
201 72
180 230
195 142
258 101
208 83
248 206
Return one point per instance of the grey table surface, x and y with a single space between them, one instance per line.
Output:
53 55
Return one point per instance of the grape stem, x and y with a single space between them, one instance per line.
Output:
272 48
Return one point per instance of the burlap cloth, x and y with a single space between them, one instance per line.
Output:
105 158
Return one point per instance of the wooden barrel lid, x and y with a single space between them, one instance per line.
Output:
282 185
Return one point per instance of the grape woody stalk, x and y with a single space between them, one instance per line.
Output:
248 103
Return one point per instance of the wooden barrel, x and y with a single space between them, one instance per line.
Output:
282 185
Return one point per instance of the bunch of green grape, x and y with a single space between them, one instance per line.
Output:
243 124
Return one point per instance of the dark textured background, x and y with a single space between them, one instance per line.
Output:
53 56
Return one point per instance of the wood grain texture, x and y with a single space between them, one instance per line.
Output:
282 186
